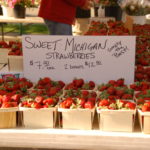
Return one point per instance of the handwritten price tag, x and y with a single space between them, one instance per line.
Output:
97 58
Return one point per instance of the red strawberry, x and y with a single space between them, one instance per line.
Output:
91 84
133 86
45 106
36 105
24 104
68 102
6 105
140 101
139 76
112 101
147 103
49 101
61 83
93 94
104 102
85 93
112 82
29 104
127 96
14 104
111 90
53 91
16 98
130 105
120 82
1 99
39 99
6 98
81 102
102 88
89 105
120 93
145 108
122 103
62 105
46 80
93 99
78 82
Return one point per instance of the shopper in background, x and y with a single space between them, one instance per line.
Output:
59 15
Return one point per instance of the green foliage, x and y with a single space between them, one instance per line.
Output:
27 29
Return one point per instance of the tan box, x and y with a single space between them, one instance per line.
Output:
39 118
4 55
116 120
81 119
144 119
15 63
8 117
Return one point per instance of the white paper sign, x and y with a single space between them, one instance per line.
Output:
97 58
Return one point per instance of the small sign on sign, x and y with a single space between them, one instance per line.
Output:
97 58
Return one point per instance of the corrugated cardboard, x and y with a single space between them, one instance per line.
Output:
144 119
116 120
81 119
39 118
15 63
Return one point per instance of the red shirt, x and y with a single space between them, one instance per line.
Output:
60 10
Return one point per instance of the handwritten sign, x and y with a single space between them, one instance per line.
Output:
97 58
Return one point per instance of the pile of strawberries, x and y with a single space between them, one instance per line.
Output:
11 91
114 94
80 84
140 86
72 103
12 85
14 46
142 32
109 28
144 105
143 94
80 93
142 73
115 90
9 100
118 104
38 102
51 87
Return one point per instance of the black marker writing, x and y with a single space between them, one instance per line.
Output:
41 44
76 47
60 56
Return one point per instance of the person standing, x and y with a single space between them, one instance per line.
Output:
59 15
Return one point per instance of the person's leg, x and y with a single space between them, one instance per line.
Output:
51 26
56 28
63 29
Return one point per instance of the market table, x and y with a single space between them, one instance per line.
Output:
73 139
29 19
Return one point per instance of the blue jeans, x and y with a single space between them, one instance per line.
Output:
56 28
